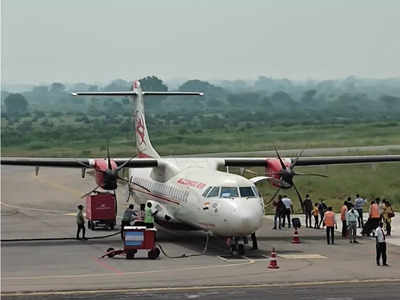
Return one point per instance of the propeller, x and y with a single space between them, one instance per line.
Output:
286 175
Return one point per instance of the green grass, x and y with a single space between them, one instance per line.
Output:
370 181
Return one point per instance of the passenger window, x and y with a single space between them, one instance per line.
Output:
206 191
229 192
246 192
214 192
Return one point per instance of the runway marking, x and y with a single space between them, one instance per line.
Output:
31 208
199 288
102 263
126 273
236 259
302 256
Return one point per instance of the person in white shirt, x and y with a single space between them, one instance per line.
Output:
288 209
380 245
358 205
351 218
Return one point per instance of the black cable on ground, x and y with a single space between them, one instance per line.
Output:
184 254
59 239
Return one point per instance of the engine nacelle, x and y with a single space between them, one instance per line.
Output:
274 170
105 177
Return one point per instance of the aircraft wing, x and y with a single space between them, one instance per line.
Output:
77 163
312 161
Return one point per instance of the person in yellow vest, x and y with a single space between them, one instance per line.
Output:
374 214
149 216
330 223
388 214
315 213
343 211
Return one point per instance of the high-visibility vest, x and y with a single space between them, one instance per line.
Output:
343 212
374 211
329 219
148 215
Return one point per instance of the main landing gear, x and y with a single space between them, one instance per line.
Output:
237 244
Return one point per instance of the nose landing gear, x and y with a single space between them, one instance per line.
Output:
237 244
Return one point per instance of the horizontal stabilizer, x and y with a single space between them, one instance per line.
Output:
133 93
127 93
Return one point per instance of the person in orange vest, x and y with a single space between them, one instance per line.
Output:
374 214
330 223
343 211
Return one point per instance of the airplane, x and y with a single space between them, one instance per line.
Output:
191 193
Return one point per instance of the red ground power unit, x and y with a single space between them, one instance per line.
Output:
101 210
140 237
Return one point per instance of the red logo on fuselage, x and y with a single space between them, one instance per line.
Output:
140 130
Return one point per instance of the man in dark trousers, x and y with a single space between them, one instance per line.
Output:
330 222
127 218
322 209
80 222
308 207
380 245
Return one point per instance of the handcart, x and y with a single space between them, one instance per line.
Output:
136 238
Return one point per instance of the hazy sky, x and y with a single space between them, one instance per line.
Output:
100 40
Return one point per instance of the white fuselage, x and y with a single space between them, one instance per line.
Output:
192 192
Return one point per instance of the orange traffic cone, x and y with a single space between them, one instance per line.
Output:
296 239
273 264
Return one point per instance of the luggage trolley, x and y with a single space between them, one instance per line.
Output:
137 238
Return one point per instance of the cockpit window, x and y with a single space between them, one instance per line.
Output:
256 192
246 191
229 192
214 192
206 191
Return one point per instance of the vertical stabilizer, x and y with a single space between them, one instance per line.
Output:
143 144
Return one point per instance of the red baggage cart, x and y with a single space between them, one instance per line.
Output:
140 237
101 210
136 238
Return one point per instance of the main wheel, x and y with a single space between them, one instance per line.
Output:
153 253
130 255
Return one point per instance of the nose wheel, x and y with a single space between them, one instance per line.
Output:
237 249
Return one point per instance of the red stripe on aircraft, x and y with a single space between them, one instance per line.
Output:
156 196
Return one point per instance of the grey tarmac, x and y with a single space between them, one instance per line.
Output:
44 206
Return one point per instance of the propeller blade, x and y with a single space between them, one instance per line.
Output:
273 197
124 164
108 155
311 174
298 195
280 159
84 165
88 193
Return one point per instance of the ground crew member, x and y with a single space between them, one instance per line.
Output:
387 217
149 216
316 214
322 209
308 207
127 218
343 211
288 209
80 222
374 213
380 245
358 205
330 222
279 211
351 219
